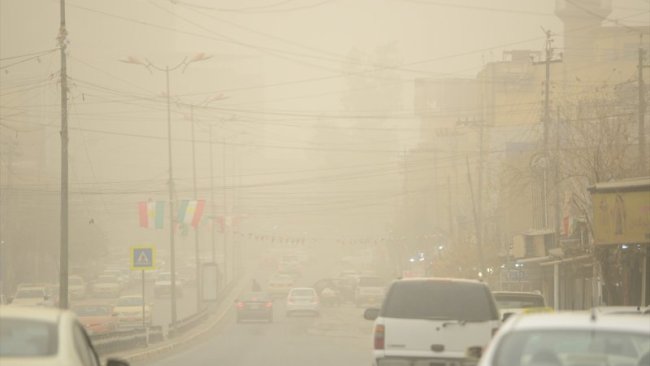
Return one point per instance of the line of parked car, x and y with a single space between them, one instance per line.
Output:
455 322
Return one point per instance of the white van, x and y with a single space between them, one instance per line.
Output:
432 321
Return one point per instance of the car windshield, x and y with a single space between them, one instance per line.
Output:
371 282
129 301
564 347
255 296
92 310
27 338
106 279
439 300
30 294
302 292
513 301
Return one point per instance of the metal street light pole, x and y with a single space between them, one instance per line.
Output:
172 245
196 229
63 254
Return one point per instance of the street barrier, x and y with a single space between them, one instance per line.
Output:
156 334
188 323
119 341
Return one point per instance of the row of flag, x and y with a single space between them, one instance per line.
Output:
152 213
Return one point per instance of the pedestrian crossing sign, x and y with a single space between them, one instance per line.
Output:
142 258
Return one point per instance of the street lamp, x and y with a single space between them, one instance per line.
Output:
172 254
196 233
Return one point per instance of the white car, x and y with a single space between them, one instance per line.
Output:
303 300
432 321
369 291
128 312
280 285
162 286
513 302
31 296
107 285
45 337
571 338
76 287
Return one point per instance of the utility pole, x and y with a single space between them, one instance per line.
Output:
548 60
642 109
172 237
226 252
63 253
477 223
556 185
196 229
212 203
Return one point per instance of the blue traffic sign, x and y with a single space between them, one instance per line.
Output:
142 258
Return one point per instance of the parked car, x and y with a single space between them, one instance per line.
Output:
96 318
511 302
76 287
107 286
303 300
162 286
572 338
45 337
32 295
254 306
369 291
432 321
128 312
280 284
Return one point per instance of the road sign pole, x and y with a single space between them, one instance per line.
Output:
144 319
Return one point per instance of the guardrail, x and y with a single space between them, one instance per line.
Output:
119 341
188 323
139 338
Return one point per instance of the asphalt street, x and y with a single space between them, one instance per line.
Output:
340 336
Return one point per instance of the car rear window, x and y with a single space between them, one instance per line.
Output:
439 300
513 301
255 296
129 301
371 282
92 310
302 292
30 294
27 338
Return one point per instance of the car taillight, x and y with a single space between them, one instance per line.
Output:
269 304
380 331
240 305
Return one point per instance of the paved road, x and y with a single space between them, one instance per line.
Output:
339 337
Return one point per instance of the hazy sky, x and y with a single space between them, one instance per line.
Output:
273 56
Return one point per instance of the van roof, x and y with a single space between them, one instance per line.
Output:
442 279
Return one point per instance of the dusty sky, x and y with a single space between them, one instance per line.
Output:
274 56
